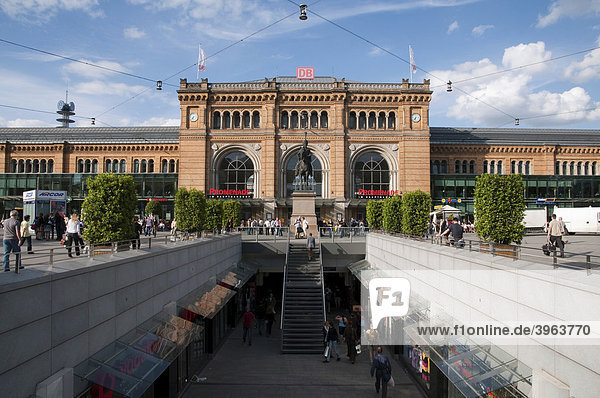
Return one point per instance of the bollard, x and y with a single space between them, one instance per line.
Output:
555 260
588 264
514 253
17 262
51 257
149 243
166 239
492 249
469 245
91 251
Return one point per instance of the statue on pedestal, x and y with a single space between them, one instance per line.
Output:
304 165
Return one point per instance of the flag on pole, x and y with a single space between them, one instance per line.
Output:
413 66
201 61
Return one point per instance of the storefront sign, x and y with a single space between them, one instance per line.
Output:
305 72
450 200
157 199
377 192
545 200
225 193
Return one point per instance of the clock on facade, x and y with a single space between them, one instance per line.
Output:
193 117
416 117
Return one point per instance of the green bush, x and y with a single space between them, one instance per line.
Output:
375 214
154 207
415 212
392 214
109 208
214 215
190 208
499 208
232 209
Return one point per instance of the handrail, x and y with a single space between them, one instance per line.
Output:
322 280
287 254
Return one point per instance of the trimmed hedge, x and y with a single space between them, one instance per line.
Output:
415 212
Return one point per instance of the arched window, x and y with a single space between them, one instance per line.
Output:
28 166
115 166
472 167
43 166
500 170
216 120
88 166
136 166
255 120
492 167
578 168
371 172
284 123
513 167
362 121
324 120
144 166
391 121
572 168
314 120
294 120
236 120
372 120
457 167
50 166
123 166
13 166
352 121
246 120
527 168
557 168
107 166
381 121
172 166
290 176
236 171
435 167
564 168
226 120
151 166
464 167
443 167
520 167
304 120
165 166
94 166
587 168
80 166
36 166
21 166
485 167
594 170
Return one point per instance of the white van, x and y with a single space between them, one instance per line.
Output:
580 219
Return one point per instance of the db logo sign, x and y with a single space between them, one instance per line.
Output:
305 72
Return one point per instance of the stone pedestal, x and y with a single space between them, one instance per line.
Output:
303 205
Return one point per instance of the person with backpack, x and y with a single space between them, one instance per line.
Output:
382 370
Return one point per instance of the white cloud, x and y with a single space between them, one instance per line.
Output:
133 33
27 123
479 30
568 8
586 69
80 69
100 88
161 121
376 52
453 26
495 100
40 11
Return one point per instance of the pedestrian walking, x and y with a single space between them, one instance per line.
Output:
382 370
73 234
332 340
555 235
12 240
350 337
137 232
25 234
248 321
310 245
270 312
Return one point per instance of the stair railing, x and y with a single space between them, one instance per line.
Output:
322 280
285 267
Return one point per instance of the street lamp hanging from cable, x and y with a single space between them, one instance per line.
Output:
303 16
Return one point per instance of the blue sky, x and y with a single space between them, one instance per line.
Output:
458 40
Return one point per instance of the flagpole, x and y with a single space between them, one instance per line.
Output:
198 66
409 64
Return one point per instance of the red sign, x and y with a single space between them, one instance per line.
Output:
377 192
229 192
156 199
305 72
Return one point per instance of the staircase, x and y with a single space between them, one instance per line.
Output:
303 310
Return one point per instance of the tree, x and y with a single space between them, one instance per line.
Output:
392 214
109 208
214 215
375 214
232 209
499 208
190 207
154 207
415 212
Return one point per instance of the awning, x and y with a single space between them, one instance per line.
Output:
130 364
479 370
209 298
357 268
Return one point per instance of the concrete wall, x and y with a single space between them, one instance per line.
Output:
65 315
469 285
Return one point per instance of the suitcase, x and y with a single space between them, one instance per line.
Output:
548 248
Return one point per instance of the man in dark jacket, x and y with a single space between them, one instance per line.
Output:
332 339
382 369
